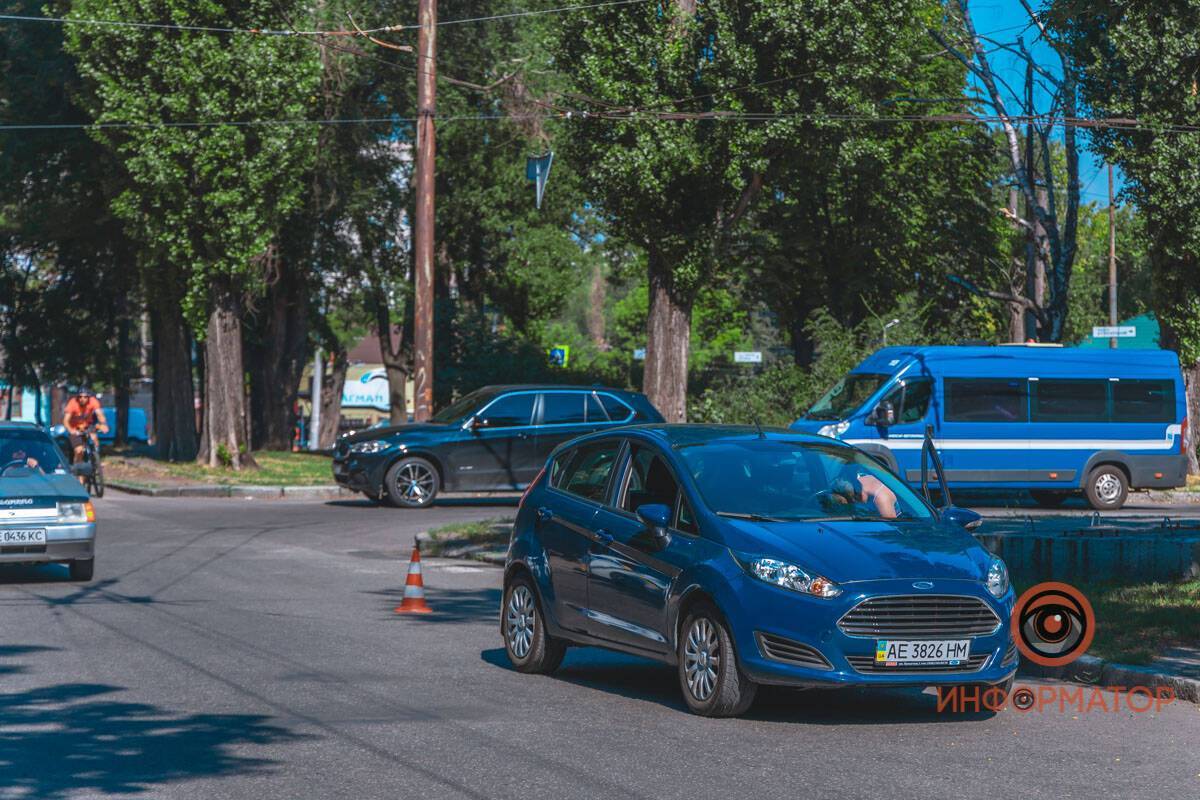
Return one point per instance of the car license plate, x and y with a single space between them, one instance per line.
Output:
899 652
11 536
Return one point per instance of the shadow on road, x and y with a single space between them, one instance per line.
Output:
33 573
511 501
642 679
77 739
449 605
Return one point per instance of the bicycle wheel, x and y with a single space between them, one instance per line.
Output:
97 478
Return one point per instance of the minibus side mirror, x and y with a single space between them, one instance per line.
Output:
884 414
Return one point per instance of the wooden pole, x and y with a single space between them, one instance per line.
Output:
423 230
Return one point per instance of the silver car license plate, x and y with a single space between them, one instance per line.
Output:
12 536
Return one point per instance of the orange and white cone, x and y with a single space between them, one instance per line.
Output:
414 588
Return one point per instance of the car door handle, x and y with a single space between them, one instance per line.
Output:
603 537
544 514
522 435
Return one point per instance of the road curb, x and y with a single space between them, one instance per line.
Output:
241 491
1098 672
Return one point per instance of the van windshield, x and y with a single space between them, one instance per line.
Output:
846 396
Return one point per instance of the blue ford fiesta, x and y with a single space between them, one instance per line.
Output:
746 557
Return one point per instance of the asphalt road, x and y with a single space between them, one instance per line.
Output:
248 649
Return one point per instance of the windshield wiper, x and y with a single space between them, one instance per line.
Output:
751 517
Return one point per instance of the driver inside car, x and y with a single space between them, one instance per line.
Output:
18 458
855 486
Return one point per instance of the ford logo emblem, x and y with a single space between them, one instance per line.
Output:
922 585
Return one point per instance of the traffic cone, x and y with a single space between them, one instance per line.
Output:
414 588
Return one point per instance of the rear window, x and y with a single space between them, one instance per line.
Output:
1143 401
1070 400
562 408
986 400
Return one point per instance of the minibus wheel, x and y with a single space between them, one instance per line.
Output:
1107 487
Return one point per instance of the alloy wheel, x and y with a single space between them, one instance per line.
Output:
702 658
1108 487
415 482
520 619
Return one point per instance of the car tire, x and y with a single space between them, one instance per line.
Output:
1107 487
1049 498
529 647
82 569
411 483
725 691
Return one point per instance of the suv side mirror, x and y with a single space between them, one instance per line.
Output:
963 517
884 414
476 423
657 518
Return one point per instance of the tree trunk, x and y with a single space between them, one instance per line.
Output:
668 335
174 393
223 439
1191 383
120 383
595 313
277 355
333 380
397 396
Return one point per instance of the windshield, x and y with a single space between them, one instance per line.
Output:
777 480
26 452
846 396
463 406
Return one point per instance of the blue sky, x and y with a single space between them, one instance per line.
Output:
1007 18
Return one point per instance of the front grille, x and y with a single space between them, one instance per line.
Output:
868 665
1010 657
778 648
920 617
12 550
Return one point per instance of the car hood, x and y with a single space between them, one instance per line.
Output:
421 430
847 551
16 489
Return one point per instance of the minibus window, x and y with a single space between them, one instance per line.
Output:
1143 401
986 400
911 400
846 396
1070 401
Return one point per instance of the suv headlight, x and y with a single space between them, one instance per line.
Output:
790 576
372 446
997 577
76 512
834 430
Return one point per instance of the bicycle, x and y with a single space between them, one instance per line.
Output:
93 479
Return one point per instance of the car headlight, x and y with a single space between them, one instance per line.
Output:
76 512
834 429
372 446
790 576
997 577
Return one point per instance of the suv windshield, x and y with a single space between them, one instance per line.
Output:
463 406
776 480
846 396
25 452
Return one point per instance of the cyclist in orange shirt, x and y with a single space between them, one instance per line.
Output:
82 411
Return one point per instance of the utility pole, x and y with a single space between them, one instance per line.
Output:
423 219
1112 260
314 418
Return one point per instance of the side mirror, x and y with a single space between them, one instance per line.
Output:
963 517
657 518
884 414
476 423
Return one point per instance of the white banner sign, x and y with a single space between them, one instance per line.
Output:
747 357
1114 331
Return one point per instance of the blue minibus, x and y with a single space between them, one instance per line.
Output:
1057 421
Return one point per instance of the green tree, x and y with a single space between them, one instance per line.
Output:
206 200
1133 61
752 94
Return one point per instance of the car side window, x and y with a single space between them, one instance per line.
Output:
650 481
509 411
562 408
617 411
595 411
685 520
587 472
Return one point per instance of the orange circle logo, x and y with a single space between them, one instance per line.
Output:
1053 624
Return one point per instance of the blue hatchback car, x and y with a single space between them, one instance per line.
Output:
746 557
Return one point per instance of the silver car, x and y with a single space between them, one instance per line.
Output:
45 514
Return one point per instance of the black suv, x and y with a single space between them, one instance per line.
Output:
495 438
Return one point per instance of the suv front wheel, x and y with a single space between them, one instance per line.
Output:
411 483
